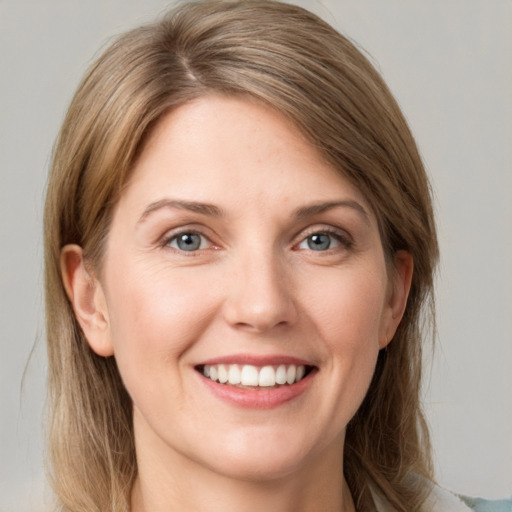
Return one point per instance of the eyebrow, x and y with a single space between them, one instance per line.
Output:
317 208
214 211
192 206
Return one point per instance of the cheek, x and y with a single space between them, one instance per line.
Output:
348 308
348 316
345 311
155 316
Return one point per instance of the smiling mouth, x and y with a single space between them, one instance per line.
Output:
255 377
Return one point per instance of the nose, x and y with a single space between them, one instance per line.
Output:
259 295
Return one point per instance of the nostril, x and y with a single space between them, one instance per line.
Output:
261 324
260 300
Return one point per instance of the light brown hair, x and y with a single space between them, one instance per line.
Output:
289 59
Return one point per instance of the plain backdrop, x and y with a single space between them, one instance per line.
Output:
449 63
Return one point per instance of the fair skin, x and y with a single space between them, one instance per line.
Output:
235 244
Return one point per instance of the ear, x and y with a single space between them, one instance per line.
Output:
87 298
399 286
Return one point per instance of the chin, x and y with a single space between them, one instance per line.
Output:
259 469
265 458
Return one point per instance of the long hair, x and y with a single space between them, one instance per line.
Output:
292 61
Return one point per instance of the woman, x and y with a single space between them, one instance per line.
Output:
239 250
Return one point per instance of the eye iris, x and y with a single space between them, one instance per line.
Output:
188 242
319 242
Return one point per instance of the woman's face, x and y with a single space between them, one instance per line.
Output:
235 253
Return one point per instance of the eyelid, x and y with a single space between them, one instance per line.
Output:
203 241
341 235
173 234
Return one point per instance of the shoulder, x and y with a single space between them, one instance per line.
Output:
441 500
481 505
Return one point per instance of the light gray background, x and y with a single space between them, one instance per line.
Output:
449 62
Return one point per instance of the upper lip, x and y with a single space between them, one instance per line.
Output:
256 360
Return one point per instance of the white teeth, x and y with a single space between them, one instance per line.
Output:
281 375
234 374
223 374
249 375
290 374
267 377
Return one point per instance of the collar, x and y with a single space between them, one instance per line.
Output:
439 500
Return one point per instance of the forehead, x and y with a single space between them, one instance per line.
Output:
235 151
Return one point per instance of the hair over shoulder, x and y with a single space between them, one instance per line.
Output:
289 59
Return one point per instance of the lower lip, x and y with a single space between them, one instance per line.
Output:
263 398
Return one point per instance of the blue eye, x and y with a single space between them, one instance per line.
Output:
187 242
320 242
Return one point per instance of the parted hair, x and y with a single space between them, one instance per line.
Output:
289 59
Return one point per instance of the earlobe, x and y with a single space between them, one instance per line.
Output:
87 298
401 279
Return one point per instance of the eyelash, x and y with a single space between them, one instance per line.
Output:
167 240
341 238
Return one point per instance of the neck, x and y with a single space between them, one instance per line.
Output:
191 494
175 482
